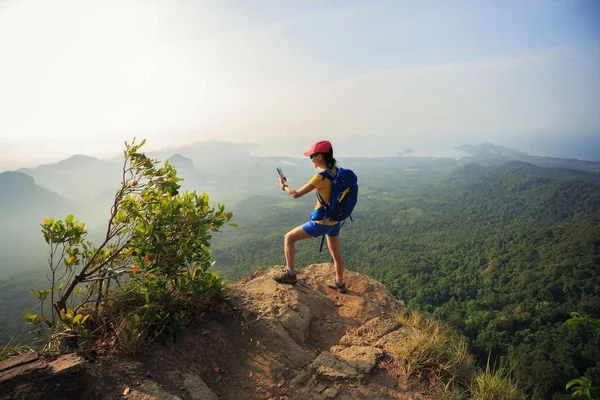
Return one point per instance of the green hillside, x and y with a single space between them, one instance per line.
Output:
504 253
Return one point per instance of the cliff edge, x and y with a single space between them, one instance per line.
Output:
267 340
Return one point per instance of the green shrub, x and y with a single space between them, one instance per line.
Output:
150 273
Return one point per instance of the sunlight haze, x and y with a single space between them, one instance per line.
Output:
82 77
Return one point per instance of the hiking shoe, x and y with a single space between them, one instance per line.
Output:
283 277
333 284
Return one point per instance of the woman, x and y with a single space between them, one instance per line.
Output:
321 154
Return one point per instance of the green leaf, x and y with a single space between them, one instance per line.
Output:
77 318
31 317
69 218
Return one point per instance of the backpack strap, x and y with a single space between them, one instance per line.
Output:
323 236
322 241
327 174
341 196
321 200
324 174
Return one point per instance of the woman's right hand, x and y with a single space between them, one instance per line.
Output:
282 180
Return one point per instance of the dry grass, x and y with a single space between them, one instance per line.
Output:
495 384
432 350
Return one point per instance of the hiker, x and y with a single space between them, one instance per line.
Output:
321 154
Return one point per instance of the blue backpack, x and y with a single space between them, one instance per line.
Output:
344 195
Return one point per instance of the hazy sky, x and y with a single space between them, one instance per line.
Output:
79 76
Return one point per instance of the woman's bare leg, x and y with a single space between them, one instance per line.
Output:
333 242
289 246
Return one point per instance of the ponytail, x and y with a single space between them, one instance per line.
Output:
331 162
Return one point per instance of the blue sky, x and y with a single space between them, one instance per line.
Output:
367 35
83 76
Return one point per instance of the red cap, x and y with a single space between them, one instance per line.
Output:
322 146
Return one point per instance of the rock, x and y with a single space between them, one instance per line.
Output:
330 393
352 340
67 364
336 349
329 367
299 379
320 386
197 389
19 360
277 368
23 371
362 358
377 328
397 338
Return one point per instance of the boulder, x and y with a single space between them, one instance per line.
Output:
329 367
397 337
377 328
352 340
361 358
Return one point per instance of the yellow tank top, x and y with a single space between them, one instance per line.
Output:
323 186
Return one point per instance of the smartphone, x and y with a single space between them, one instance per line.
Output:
280 172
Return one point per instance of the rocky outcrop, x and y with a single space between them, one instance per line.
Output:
268 340
19 371
355 360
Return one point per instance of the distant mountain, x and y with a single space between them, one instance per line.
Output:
192 178
19 193
580 146
513 168
210 157
78 178
181 162
23 206
488 148
490 154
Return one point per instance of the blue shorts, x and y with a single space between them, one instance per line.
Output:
316 230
